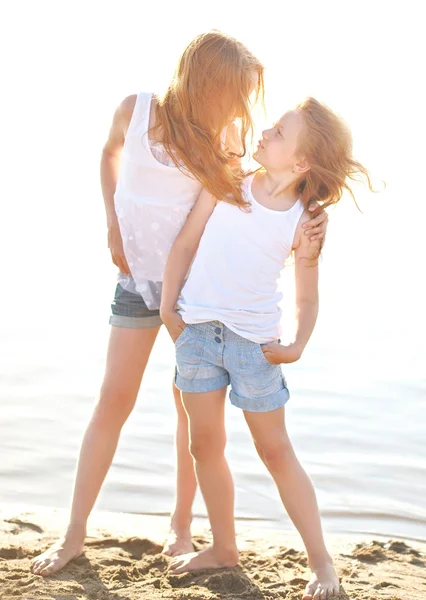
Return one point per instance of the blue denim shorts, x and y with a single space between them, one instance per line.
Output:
209 356
129 310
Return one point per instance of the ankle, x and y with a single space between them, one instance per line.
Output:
76 529
227 554
180 522
320 560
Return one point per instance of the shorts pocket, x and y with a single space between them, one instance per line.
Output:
181 336
257 377
262 355
189 352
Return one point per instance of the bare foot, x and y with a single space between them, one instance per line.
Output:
59 554
323 584
210 558
178 542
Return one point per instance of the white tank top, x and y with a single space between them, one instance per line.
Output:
152 202
235 274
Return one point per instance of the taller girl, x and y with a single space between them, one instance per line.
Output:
159 154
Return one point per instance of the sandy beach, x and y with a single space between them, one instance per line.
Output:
123 561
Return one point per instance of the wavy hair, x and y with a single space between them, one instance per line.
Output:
211 89
327 144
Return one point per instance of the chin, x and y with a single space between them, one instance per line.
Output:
257 158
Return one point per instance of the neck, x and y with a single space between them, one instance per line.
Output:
280 184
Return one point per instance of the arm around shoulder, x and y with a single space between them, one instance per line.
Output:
183 252
306 257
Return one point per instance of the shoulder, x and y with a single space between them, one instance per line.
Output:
125 110
128 104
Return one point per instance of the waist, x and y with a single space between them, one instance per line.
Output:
255 326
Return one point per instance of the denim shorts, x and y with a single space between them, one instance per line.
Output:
209 356
129 310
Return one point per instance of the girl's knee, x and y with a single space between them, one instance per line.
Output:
114 404
206 446
275 454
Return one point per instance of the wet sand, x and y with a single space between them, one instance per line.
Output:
123 561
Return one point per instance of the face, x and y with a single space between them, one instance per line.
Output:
277 150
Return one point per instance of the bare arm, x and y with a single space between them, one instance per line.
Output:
110 167
179 261
306 253
306 256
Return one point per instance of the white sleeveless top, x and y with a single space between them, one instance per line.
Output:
235 274
152 202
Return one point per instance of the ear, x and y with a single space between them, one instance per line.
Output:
301 166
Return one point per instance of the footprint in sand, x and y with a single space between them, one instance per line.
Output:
385 584
370 553
25 525
136 547
12 553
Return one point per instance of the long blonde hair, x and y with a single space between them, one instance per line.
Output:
210 89
327 144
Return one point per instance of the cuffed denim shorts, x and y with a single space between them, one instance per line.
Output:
129 310
209 356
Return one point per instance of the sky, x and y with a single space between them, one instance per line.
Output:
66 66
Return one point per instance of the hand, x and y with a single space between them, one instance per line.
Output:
276 354
174 323
115 244
316 227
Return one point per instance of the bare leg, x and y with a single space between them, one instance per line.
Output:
298 496
127 356
208 440
179 541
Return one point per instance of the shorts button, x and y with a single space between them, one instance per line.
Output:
218 330
217 339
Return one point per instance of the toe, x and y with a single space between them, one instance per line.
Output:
34 564
317 593
335 591
177 567
49 570
175 564
177 570
309 591
36 567
41 566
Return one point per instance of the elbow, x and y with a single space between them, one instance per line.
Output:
109 154
297 352
311 303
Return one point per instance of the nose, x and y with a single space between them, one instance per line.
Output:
265 134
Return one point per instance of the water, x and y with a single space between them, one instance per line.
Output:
357 409
356 414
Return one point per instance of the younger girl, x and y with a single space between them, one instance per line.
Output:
159 154
227 327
